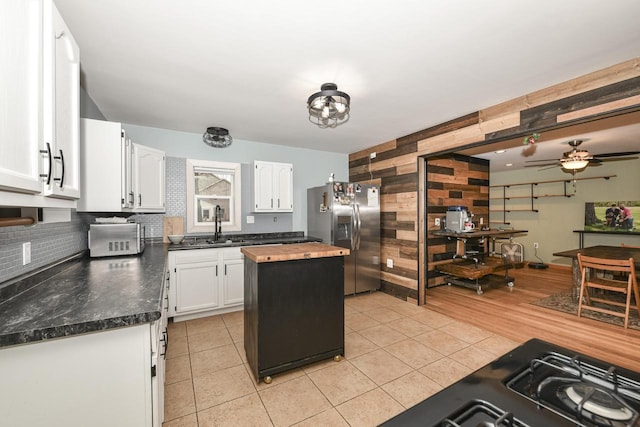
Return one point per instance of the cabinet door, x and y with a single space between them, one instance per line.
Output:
283 187
20 105
62 105
263 186
127 169
102 164
197 285
148 179
233 286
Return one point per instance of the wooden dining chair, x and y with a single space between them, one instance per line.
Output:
624 245
607 282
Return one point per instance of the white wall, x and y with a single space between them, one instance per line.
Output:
552 227
310 167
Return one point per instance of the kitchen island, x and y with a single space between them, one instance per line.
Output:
293 306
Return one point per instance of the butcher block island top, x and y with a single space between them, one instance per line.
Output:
291 252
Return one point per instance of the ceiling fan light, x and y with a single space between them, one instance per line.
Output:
574 163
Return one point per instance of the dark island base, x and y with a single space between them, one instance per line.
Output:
293 313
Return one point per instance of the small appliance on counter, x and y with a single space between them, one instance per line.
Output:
458 219
114 239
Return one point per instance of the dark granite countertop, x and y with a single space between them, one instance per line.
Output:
235 240
84 295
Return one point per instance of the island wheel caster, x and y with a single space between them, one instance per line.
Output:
267 380
510 284
479 291
337 358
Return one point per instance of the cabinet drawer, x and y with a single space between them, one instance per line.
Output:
195 255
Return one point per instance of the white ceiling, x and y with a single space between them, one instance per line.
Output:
250 65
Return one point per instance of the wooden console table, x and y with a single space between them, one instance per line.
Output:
467 269
618 233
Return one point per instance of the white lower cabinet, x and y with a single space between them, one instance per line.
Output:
101 379
205 282
233 281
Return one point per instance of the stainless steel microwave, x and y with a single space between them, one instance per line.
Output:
116 239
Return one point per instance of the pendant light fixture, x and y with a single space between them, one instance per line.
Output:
329 107
217 137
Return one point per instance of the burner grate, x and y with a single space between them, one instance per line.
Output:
479 413
580 391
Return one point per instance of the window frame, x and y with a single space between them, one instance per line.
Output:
235 169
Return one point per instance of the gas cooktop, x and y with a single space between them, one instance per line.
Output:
536 384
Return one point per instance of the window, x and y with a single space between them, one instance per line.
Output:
211 184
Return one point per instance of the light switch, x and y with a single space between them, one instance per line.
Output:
389 263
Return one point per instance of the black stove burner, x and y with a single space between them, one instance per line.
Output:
580 391
594 403
478 413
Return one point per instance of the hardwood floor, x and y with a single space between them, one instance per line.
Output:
508 312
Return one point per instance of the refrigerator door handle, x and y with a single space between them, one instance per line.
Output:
358 221
354 226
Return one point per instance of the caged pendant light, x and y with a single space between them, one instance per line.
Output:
217 137
329 107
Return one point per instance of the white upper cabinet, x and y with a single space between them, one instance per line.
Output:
272 187
117 174
148 179
20 107
62 105
39 106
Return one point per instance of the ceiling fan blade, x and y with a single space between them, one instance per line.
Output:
541 160
621 154
616 159
542 165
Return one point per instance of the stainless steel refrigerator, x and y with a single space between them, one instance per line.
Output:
347 214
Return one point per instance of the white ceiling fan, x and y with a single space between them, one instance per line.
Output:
577 159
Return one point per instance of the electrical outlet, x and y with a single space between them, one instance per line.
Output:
26 253
535 245
437 222
389 263
250 219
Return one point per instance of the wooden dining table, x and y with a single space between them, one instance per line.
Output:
600 251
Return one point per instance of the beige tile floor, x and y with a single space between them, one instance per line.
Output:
397 354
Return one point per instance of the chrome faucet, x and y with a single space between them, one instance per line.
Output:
217 218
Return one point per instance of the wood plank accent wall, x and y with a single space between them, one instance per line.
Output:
452 180
400 171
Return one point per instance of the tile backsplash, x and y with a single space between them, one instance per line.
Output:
49 243
176 198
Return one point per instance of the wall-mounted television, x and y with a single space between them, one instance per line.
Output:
618 215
